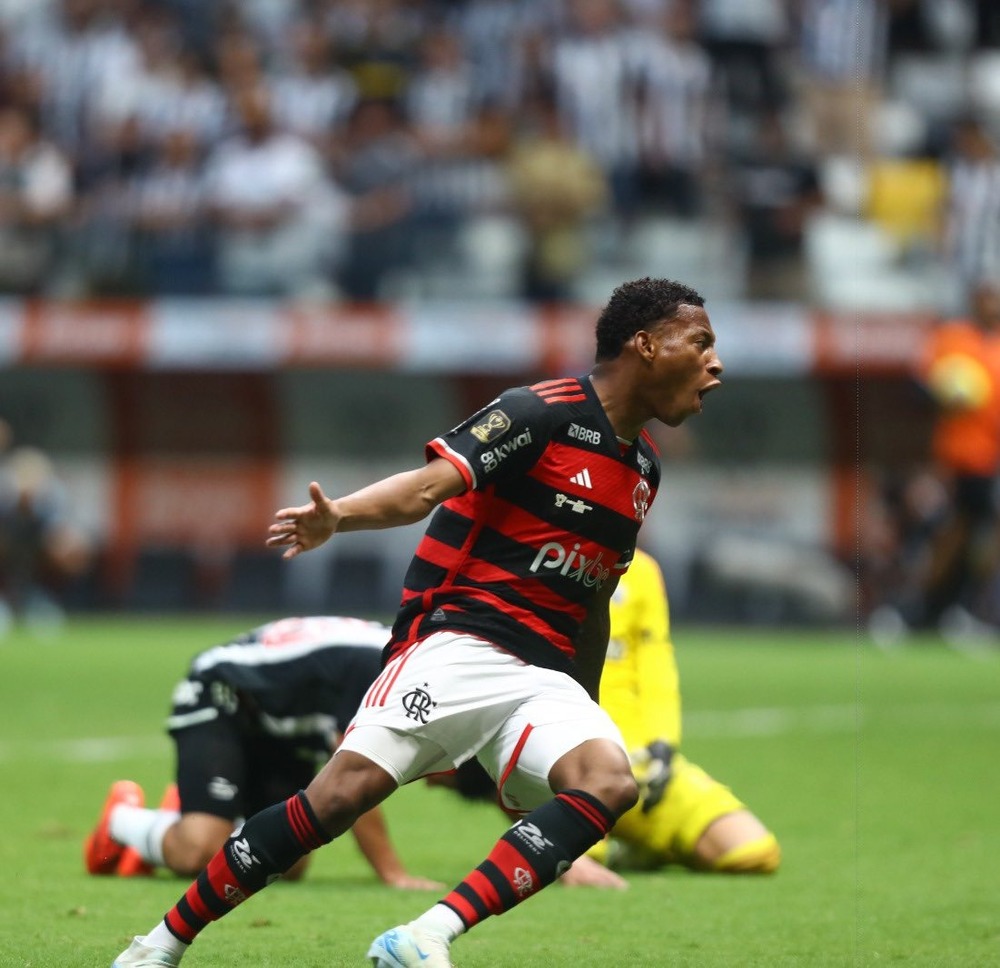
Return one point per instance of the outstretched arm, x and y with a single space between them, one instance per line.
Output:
401 499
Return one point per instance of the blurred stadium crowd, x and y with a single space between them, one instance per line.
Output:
837 151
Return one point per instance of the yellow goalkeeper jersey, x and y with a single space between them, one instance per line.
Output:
639 687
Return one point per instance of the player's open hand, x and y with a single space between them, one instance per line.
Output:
587 872
303 528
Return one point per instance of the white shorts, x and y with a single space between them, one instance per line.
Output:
453 696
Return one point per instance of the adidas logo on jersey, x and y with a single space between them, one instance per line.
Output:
583 479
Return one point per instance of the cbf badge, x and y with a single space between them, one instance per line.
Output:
640 499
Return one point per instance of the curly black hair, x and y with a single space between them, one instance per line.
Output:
635 305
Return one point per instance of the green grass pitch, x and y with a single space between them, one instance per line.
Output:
879 772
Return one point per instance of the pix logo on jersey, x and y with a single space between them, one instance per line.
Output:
496 424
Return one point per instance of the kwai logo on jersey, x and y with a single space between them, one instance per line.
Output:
496 424
492 458
585 434
575 566
641 494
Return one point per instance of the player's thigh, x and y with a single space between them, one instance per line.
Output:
557 719
434 706
279 770
212 768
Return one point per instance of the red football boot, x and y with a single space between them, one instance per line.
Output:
101 853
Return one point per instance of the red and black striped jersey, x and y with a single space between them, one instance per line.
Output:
551 512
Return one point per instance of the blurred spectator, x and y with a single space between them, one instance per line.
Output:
279 218
40 549
972 229
171 233
185 98
962 374
593 73
376 168
556 188
746 39
80 52
674 75
36 192
501 39
314 95
376 40
776 190
843 50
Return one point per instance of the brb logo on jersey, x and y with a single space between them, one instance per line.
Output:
496 424
575 566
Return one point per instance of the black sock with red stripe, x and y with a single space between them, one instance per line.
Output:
530 855
258 853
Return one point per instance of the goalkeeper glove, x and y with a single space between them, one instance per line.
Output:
653 768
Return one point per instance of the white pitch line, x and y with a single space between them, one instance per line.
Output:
94 749
746 723
844 718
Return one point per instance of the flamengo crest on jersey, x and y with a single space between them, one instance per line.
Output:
551 511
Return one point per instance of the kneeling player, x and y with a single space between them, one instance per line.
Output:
252 722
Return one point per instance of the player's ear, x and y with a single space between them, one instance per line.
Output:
644 344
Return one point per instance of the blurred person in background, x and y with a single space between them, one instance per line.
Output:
961 371
775 189
556 190
843 46
36 195
40 547
375 166
169 206
972 202
313 93
746 40
279 219
675 102
591 66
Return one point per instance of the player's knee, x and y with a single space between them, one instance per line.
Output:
616 789
347 787
193 841
191 856
759 856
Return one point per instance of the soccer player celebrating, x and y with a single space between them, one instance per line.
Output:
251 723
501 634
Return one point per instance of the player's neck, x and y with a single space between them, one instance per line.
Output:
616 402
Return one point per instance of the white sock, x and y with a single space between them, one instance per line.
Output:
143 829
160 937
442 921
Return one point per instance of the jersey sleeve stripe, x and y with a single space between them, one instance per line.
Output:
549 385
439 448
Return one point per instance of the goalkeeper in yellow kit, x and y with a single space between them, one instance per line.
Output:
684 816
